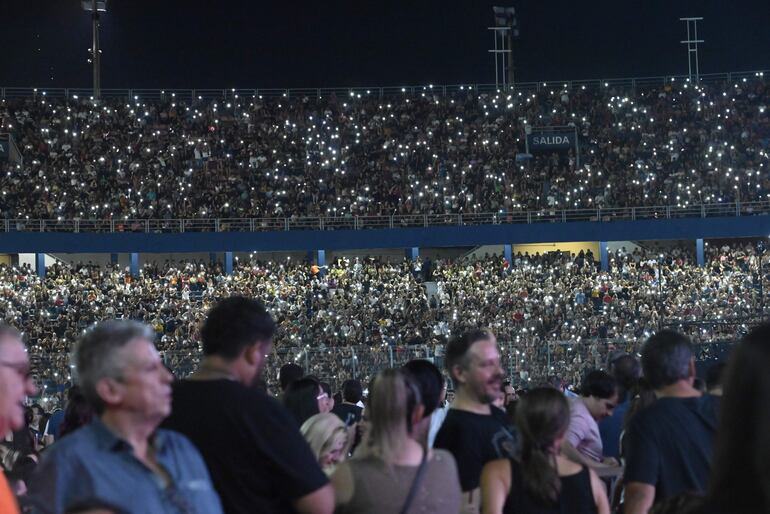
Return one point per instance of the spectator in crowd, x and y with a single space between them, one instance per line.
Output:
740 481
328 438
430 384
329 399
288 374
474 432
304 398
122 456
348 410
15 385
79 412
392 471
669 445
598 397
257 457
626 370
437 419
715 378
541 480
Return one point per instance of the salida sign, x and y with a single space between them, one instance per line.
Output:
550 141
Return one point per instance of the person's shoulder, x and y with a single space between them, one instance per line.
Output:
74 446
175 440
443 457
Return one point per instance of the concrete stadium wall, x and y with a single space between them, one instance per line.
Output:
435 237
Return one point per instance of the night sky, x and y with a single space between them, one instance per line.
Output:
247 44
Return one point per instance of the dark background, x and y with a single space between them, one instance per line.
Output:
247 44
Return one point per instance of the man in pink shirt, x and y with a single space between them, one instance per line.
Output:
583 444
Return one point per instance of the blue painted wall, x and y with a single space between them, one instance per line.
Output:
691 228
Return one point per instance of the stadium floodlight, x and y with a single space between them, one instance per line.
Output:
95 7
505 30
101 5
692 42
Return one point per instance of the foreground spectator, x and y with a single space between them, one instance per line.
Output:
15 385
715 378
740 483
626 370
304 398
541 480
431 385
288 374
122 457
669 444
328 438
392 471
348 410
257 457
598 397
473 431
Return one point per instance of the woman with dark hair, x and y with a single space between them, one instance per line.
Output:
78 412
304 398
740 481
541 480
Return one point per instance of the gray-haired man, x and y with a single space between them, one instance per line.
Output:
669 444
122 457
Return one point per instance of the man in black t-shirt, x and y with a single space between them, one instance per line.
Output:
473 431
347 410
669 445
258 460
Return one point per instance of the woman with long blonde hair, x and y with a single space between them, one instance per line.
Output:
328 438
392 472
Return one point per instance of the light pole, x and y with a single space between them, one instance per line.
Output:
95 7
506 29
760 253
692 42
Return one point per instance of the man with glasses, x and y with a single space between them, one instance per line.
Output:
15 385
122 457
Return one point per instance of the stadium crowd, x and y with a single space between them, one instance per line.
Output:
677 144
133 440
554 314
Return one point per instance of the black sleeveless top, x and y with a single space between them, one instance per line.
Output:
576 495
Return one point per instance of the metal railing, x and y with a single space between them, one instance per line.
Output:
380 91
176 226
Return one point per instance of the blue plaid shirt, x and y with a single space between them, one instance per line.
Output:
94 463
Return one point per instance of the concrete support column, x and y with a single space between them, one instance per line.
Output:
40 264
699 252
114 258
412 253
134 264
228 263
604 255
508 253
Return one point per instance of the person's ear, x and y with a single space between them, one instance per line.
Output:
418 414
458 373
110 391
691 369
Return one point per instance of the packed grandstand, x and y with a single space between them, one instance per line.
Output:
676 143
511 335
554 314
